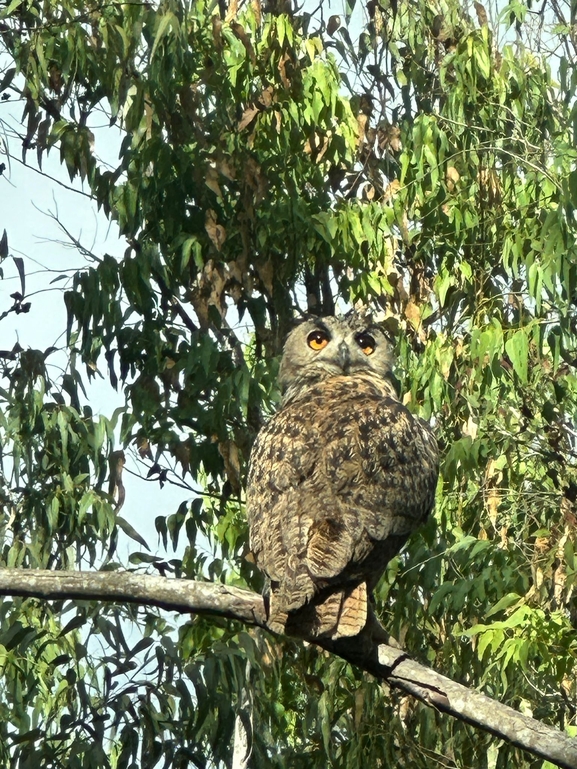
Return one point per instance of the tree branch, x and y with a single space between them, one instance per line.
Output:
381 660
180 595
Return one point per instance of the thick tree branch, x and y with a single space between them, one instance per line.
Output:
379 659
181 595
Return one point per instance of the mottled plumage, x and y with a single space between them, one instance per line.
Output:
339 478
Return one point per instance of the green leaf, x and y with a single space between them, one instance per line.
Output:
517 348
168 19
504 603
130 531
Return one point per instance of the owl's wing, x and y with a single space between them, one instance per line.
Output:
400 462
283 459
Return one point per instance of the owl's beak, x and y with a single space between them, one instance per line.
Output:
344 357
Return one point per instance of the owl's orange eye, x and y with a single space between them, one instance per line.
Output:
316 340
366 343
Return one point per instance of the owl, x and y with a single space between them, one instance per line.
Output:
338 478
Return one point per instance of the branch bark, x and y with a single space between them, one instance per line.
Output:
381 660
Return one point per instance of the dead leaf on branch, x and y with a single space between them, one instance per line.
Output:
389 137
55 80
209 292
232 11
170 376
493 478
211 181
223 167
116 463
362 121
188 96
181 452
143 447
267 97
368 192
317 145
228 450
247 117
148 117
239 282
216 232
278 121
413 315
240 33
452 176
482 17
471 428
559 576
490 186
255 179
333 24
265 272
257 10
217 32
282 68
392 190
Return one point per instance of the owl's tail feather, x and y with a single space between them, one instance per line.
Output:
291 597
342 614
277 620
295 591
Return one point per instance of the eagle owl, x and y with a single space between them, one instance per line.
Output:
338 478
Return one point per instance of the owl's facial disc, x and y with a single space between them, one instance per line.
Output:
323 348
318 339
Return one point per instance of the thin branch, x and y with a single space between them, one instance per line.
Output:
381 660
68 187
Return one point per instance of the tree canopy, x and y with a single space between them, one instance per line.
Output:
414 158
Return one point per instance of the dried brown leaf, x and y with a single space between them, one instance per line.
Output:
211 181
282 70
481 14
452 176
413 315
278 121
267 96
470 428
223 167
228 450
247 117
181 452
392 190
255 179
362 120
333 24
239 32
116 463
257 10
216 232
143 447
217 32
265 272
390 137
231 11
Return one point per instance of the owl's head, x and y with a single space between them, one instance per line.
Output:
322 348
